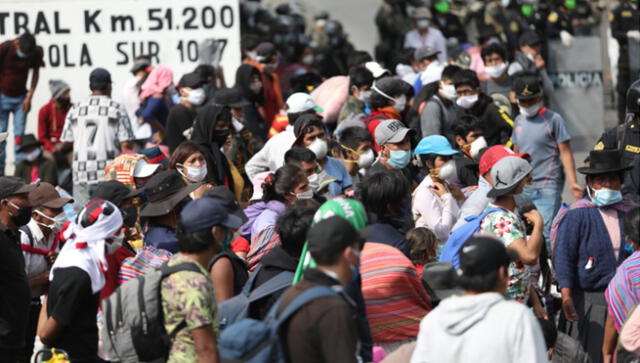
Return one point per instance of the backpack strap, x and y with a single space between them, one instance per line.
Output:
274 284
248 286
303 299
28 232
185 266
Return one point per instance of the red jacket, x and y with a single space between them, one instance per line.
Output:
50 123
272 103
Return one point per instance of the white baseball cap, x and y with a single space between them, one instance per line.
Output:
376 69
301 102
144 169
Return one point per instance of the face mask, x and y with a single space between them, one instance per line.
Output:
467 102
366 159
399 158
21 54
194 173
605 197
530 56
252 55
448 91
319 147
220 136
496 71
57 221
130 216
314 182
422 24
531 111
307 59
306 195
255 87
22 216
477 145
196 96
400 103
33 155
238 125
64 102
364 96
447 171
505 3
116 242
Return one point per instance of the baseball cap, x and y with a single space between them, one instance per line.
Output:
265 51
114 191
231 97
376 69
301 102
493 154
191 80
46 195
144 169
334 233
435 144
155 156
100 76
529 38
11 185
482 254
424 52
205 213
527 87
350 209
301 124
225 197
140 63
391 132
507 174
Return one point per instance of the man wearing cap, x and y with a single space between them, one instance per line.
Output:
271 156
165 193
130 96
478 200
589 246
15 212
389 97
182 116
310 133
51 116
267 61
428 66
542 134
440 112
188 296
528 59
481 325
510 175
325 329
394 143
34 166
99 129
424 35
40 247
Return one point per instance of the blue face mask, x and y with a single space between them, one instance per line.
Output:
399 158
20 54
605 197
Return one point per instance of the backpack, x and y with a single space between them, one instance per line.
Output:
237 308
255 341
132 323
451 251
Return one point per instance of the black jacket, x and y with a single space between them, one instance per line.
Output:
498 126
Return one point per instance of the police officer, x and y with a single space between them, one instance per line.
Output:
625 20
626 139
584 17
448 23
559 19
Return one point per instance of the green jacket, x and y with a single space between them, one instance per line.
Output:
47 171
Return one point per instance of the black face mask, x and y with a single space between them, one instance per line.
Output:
64 102
22 216
220 136
130 216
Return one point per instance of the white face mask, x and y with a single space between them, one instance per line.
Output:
319 147
33 155
307 59
477 145
530 56
448 170
116 242
496 71
196 96
531 111
237 124
58 221
255 87
400 104
448 91
314 182
366 159
422 24
194 173
364 96
306 195
467 102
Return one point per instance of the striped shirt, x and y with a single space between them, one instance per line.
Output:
623 292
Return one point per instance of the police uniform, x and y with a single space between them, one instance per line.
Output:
451 27
626 138
623 19
557 21
587 17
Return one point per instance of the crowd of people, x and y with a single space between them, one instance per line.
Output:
407 208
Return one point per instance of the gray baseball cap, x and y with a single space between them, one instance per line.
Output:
391 132
424 52
507 174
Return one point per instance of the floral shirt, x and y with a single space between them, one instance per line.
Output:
187 296
508 227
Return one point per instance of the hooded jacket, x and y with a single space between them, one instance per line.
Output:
498 126
480 328
255 122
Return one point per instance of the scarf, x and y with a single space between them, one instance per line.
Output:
85 246
160 78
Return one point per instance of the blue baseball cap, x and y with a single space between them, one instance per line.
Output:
435 144
205 213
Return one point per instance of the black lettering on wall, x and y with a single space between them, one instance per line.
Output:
41 24
3 17
90 20
85 57
20 21
125 58
125 22
56 24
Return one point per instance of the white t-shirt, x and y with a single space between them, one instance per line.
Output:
130 99
96 127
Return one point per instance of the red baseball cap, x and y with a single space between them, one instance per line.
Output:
493 154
